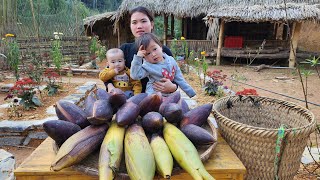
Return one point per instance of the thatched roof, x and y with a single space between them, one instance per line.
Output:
178 8
279 12
229 9
89 21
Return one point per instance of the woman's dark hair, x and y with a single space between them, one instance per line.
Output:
145 39
143 10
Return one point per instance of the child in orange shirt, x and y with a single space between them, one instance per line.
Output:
118 74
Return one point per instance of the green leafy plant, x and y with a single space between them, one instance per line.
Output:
51 79
197 63
179 48
94 45
189 60
306 74
25 89
184 47
35 69
56 53
102 53
69 74
13 53
302 72
211 87
220 93
204 66
174 48
313 63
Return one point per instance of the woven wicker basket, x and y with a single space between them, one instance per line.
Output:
250 125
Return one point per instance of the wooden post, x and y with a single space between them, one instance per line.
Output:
294 43
118 33
279 33
2 25
220 41
165 29
172 26
182 26
185 27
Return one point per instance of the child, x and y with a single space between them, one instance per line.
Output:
156 64
119 75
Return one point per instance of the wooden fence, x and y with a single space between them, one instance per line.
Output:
72 49
207 45
196 45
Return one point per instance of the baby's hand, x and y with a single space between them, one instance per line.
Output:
141 52
116 70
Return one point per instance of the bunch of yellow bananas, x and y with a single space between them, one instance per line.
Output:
143 159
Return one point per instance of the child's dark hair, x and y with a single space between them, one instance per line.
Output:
145 39
143 10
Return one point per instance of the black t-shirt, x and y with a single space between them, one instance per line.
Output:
130 49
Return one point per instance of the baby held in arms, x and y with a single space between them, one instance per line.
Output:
118 75
152 62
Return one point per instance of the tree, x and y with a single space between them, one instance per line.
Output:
55 5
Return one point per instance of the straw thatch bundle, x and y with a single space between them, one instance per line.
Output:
178 8
193 8
156 6
279 12
90 21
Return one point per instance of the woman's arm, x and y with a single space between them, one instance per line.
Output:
179 79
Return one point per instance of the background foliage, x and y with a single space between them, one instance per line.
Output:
51 16
67 16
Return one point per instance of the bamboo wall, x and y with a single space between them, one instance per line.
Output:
196 45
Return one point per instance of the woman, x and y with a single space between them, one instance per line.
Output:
142 21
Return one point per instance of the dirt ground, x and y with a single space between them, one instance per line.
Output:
279 81
282 81
39 112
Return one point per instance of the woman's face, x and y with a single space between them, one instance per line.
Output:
140 24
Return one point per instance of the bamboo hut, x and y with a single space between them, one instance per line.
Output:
264 30
190 12
102 25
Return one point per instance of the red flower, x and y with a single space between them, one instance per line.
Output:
247 92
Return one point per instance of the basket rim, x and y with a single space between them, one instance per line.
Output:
310 124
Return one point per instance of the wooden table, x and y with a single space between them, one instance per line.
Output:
223 164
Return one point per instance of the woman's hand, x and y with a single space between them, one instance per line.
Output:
141 52
164 86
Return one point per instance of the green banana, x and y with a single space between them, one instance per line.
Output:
111 152
79 146
162 155
139 157
185 153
